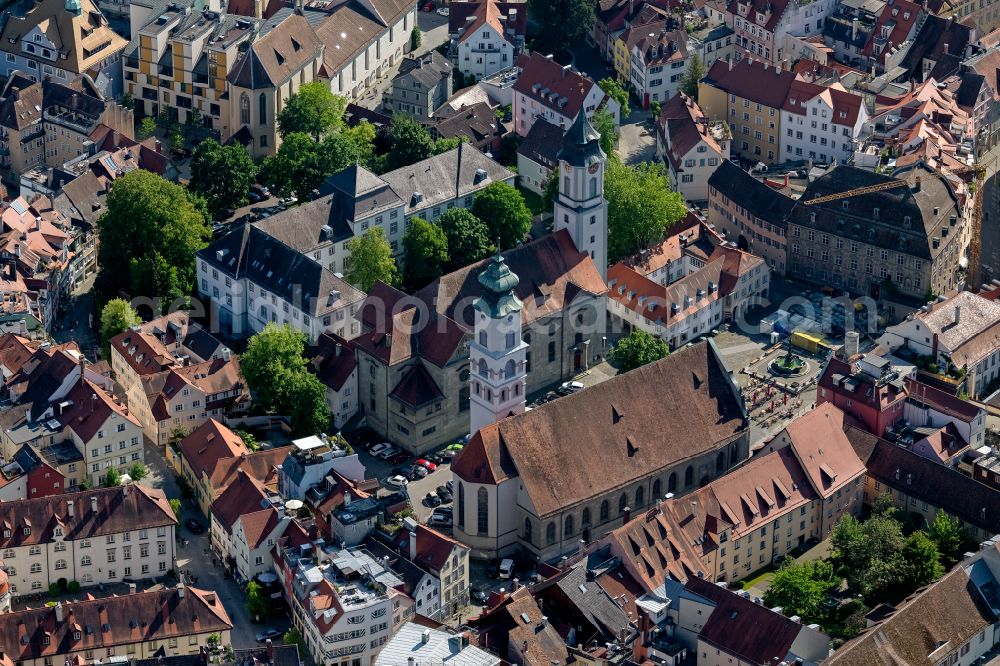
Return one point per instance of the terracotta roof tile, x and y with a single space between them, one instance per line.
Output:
208 444
538 74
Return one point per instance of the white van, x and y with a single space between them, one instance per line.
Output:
506 568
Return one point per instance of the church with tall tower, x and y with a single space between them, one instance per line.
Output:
580 207
497 353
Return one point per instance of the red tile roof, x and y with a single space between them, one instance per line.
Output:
112 622
468 17
434 549
898 17
131 507
818 440
91 409
244 495
208 445
257 525
562 89
680 123
846 106
772 11
753 80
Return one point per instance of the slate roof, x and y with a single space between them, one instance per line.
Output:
476 122
334 361
416 388
543 143
890 229
113 622
757 198
928 480
252 252
591 600
610 422
123 509
429 69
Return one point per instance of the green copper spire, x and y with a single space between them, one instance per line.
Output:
498 283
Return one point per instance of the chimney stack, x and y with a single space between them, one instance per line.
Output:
93 504
958 314
180 590
59 611
628 513
69 509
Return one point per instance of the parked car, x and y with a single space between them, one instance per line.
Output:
379 448
435 458
572 386
398 481
426 464
385 454
479 596
440 489
195 526
443 11
418 472
255 196
445 497
270 632
439 519
398 459
506 568
432 500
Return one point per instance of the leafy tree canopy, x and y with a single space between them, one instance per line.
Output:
637 350
313 110
148 235
222 175
613 89
468 238
371 260
566 22
117 315
641 206
604 123
426 252
409 140
800 588
505 213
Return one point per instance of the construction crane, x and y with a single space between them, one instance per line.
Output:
857 192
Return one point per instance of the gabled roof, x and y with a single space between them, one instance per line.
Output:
928 480
258 525
607 428
123 509
287 43
818 440
926 628
560 88
771 10
758 199
434 549
416 388
742 628
543 143
244 495
845 106
112 622
683 126
751 79
551 271
334 361
898 17
208 444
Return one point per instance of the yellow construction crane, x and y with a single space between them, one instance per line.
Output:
858 191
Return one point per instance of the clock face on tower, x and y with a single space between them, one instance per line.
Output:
592 169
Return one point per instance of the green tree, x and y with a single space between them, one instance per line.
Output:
147 127
613 89
695 72
425 246
949 536
249 439
870 555
175 506
222 175
605 125
351 145
295 168
371 260
636 350
444 144
551 192
641 206
117 315
277 375
313 110
409 142
148 236
415 38
800 588
654 109
128 101
566 22
113 478
273 351
258 604
923 562
305 398
468 238
178 147
293 637
138 471
505 213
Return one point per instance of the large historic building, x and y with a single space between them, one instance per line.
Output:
571 470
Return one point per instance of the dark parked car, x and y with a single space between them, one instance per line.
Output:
440 490
255 196
432 500
270 632
445 497
398 459
194 526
